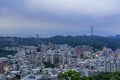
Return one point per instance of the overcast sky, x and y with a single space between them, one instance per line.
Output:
59 17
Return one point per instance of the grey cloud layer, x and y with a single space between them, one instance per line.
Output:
60 16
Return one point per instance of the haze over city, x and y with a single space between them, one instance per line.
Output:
59 17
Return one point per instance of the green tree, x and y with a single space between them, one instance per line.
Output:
69 75
90 78
84 78
75 76
116 76
63 76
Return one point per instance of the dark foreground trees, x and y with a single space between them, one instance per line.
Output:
73 75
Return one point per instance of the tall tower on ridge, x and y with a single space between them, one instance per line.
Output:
37 35
91 30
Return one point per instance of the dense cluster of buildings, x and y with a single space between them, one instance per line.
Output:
45 62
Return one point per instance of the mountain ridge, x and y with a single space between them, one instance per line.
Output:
95 41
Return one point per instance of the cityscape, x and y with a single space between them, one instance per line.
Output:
59 40
48 61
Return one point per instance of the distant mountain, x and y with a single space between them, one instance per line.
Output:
116 36
97 42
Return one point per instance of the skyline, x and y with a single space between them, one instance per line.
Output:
59 17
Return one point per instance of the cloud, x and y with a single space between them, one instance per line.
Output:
60 16
14 24
13 21
64 7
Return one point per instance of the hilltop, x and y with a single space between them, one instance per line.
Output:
95 41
